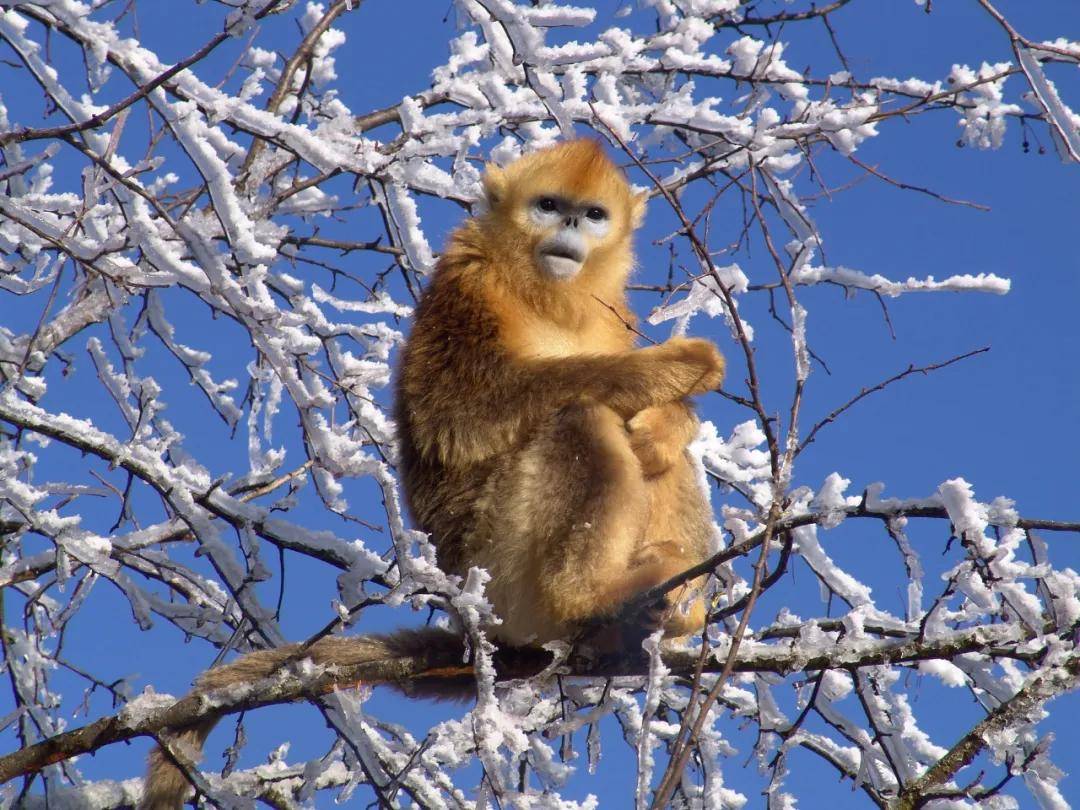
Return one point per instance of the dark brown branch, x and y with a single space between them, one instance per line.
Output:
794 16
693 721
909 187
343 246
705 257
442 665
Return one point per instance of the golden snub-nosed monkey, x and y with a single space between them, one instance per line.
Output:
536 441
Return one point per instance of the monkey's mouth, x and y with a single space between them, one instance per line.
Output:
564 252
560 263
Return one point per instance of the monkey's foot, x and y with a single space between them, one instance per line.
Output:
682 617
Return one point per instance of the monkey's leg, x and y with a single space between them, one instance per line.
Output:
565 519
680 521
678 531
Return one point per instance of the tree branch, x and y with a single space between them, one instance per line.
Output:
442 667
1022 707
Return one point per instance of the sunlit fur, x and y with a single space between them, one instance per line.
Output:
536 441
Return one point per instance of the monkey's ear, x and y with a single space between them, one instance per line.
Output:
495 182
637 208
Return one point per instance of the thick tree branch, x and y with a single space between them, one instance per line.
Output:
442 665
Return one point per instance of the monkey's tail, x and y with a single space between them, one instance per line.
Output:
166 787
419 663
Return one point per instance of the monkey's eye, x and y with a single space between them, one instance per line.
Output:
547 204
596 214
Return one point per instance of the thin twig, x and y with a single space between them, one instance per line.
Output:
881 386
909 187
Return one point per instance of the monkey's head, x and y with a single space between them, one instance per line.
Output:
567 207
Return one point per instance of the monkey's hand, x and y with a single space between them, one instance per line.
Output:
696 364
660 434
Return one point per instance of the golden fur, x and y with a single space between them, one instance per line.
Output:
536 441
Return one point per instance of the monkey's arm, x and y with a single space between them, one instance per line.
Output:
465 397
628 382
476 404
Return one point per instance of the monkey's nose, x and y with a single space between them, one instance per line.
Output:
571 222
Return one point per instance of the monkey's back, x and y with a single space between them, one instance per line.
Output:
443 503
452 408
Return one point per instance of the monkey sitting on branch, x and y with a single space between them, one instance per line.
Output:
535 440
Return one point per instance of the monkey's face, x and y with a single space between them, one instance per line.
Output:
563 212
569 230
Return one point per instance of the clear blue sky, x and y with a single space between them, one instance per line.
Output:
1006 421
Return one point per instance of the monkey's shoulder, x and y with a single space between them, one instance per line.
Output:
454 326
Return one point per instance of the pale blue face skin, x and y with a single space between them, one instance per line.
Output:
572 228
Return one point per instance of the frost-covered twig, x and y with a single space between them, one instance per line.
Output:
1022 708
1064 123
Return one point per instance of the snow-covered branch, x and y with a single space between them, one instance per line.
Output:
208 265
